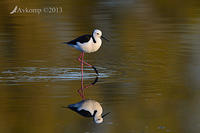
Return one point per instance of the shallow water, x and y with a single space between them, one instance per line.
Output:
149 70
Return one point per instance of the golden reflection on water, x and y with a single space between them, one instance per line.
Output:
149 69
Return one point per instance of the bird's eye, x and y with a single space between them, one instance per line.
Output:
97 33
98 119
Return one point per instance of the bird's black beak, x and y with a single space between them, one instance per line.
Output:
105 114
105 38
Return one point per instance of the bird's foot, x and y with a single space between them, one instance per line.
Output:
95 70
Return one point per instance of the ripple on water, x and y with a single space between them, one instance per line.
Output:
37 74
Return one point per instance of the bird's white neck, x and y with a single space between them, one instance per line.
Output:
98 40
98 119
96 44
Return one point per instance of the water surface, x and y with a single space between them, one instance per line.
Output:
149 71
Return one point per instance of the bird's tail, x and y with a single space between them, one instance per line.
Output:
64 107
65 42
68 44
69 106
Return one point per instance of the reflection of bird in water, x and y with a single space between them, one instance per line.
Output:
89 108
80 91
87 44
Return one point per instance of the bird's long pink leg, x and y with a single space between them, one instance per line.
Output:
80 91
82 71
79 59
93 83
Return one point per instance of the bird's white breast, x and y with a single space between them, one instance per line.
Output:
90 46
91 106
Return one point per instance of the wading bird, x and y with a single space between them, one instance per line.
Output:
87 44
89 108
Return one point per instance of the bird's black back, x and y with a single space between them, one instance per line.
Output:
81 112
81 39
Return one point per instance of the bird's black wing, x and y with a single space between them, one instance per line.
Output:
81 112
81 39
85 113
